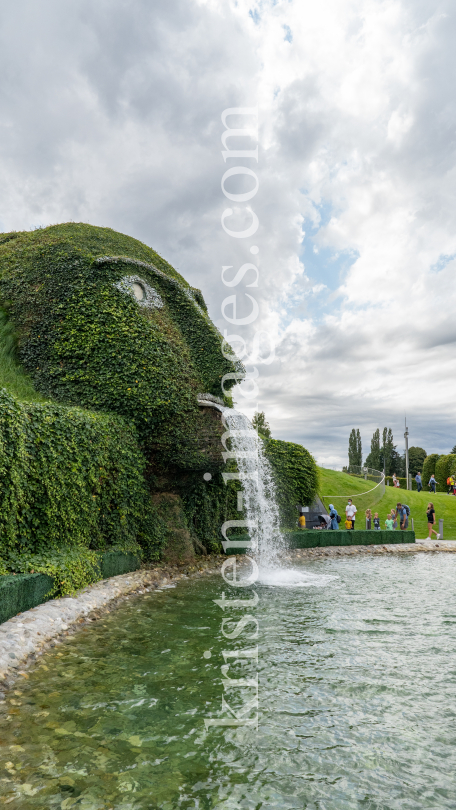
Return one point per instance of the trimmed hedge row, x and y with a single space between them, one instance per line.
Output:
25 591
22 592
322 539
307 539
445 466
296 477
402 482
429 468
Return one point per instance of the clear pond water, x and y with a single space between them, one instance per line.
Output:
357 699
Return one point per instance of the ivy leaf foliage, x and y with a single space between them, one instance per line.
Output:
86 342
296 477
73 486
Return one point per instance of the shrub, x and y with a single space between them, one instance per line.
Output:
417 457
429 468
443 470
296 477
389 481
72 486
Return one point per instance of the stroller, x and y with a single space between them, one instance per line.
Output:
325 522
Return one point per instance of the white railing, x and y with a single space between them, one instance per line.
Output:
369 475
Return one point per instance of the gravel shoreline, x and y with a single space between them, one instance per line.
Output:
27 635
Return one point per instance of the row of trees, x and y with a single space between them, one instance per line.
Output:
384 454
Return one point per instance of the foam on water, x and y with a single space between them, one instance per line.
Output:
293 578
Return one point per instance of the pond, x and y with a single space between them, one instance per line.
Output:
357 699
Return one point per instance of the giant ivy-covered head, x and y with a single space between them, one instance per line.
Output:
103 322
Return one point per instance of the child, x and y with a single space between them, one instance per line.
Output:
376 522
389 523
348 524
394 518
368 518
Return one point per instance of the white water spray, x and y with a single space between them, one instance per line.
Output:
259 501
259 496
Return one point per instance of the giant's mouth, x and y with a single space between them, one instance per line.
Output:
210 401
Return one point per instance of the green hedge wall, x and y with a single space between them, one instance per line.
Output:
307 539
113 563
443 469
323 539
429 468
25 591
72 484
402 482
22 592
296 477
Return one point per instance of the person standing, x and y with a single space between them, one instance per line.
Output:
395 481
394 518
431 521
450 483
368 519
350 512
402 515
419 484
432 483
333 516
376 522
389 523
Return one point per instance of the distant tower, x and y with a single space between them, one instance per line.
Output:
406 434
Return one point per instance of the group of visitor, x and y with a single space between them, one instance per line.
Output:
451 483
396 518
431 484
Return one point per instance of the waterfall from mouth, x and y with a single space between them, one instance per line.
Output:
259 491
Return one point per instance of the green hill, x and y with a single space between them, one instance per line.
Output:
12 375
338 486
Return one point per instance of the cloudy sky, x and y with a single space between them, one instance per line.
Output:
110 113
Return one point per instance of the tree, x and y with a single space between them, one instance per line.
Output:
453 450
416 460
388 448
355 450
397 463
374 459
260 425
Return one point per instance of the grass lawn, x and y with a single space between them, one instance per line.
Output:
334 484
12 376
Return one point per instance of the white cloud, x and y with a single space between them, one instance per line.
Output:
111 115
